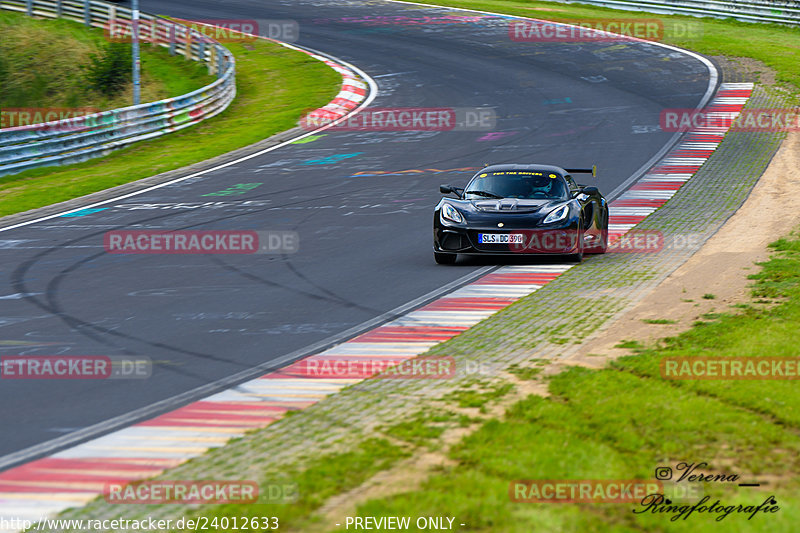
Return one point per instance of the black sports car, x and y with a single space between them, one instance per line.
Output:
521 209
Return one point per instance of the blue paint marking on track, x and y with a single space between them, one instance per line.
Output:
330 160
84 212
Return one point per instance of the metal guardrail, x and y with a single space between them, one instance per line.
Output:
775 11
69 141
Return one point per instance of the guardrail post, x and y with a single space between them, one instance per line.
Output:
201 50
188 51
173 36
220 60
87 13
153 31
29 7
212 60
58 9
135 49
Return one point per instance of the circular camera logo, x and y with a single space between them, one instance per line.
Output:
663 473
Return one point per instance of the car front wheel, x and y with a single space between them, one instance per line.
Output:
578 256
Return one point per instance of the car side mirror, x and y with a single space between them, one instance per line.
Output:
590 190
447 189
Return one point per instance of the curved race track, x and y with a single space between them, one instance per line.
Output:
365 239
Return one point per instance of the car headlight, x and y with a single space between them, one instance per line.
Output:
557 214
451 214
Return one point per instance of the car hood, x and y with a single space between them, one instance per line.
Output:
513 205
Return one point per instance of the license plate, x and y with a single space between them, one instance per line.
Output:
500 238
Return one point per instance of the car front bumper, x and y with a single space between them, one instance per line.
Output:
539 241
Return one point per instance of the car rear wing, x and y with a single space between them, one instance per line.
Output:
592 171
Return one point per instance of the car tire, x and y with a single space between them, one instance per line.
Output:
601 249
442 258
577 257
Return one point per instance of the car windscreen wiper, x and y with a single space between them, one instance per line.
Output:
484 193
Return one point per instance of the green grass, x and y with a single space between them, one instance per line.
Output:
470 397
629 345
324 477
426 426
526 372
624 421
42 65
275 86
657 321
776 46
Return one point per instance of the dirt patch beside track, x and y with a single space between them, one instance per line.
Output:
719 269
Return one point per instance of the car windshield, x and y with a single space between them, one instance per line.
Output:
527 184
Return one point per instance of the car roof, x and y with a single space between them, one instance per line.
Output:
538 168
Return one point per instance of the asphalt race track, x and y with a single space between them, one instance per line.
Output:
364 224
